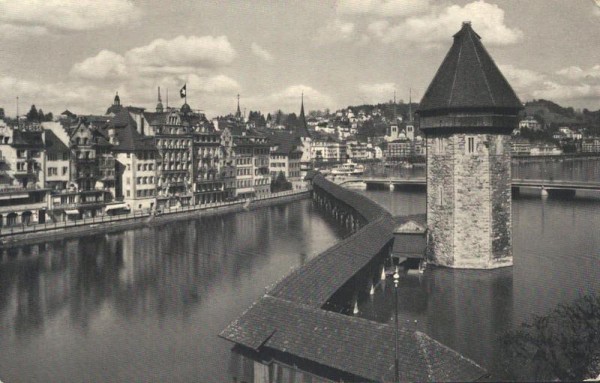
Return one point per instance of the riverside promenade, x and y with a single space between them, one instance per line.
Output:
25 233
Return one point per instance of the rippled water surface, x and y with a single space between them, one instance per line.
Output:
147 304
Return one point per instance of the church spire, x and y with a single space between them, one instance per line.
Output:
302 128
117 100
159 105
302 107
238 113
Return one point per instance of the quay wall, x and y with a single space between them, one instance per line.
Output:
106 224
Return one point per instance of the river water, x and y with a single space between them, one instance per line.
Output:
147 304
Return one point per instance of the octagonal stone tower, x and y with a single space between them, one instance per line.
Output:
467 115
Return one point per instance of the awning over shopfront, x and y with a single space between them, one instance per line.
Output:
117 206
72 212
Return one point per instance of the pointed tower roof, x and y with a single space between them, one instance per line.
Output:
238 113
468 79
302 128
159 105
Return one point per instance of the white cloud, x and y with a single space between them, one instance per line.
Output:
105 65
68 15
181 53
288 99
557 91
577 73
261 52
334 31
374 93
437 27
385 8
10 31
179 56
521 78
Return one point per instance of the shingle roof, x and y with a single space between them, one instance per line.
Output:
342 342
468 78
289 317
285 143
315 282
128 138
53 143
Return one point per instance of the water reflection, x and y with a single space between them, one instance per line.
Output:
146 304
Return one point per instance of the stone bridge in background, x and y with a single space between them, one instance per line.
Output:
552 186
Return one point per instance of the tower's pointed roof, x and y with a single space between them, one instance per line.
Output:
468 79
302 128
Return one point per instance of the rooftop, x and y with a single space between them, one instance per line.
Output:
468 78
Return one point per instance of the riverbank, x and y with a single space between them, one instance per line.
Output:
23 234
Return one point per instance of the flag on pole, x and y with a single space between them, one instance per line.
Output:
183 91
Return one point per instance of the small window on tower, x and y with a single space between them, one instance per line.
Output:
470 145
440 196
440 145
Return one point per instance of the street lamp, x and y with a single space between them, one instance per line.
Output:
396 362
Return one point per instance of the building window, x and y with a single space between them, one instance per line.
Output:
470 145
65 170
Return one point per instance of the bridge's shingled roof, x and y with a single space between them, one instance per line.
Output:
315 282
342 342
468 78
364 206
289 317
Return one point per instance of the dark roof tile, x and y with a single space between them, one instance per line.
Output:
468 78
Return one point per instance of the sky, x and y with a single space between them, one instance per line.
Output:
75 55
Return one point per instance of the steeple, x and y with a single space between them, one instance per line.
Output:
159 105
238 113
302 128
410 104
468 78
117 100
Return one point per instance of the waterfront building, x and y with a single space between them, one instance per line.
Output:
136 164
251 153
359 151
23 198
326 148
172 131
467 114
58 162
89 189
214 178
286 156
591 145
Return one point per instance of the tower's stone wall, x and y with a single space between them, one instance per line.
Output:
440 199
468 199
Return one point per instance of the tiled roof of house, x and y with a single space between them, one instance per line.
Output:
342 342
285 143
127 137
27 138
468 78
53 143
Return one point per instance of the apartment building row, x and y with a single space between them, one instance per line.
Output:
134 159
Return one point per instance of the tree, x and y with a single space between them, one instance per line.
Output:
41 116
49 116
280 183
564 344
32 115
